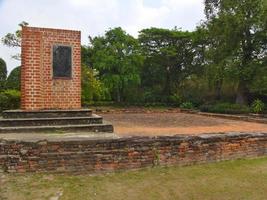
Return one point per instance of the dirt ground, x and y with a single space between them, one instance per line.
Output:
149 124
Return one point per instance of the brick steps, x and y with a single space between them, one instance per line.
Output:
105 127
11 114
94 119
53 121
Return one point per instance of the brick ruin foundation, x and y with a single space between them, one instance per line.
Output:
50 79
127 153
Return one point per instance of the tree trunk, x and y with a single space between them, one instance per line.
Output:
242 94
167 88
118 96
242 89
218 89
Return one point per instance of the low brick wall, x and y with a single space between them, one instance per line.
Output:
247 118
127 153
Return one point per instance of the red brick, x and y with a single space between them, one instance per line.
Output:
39 90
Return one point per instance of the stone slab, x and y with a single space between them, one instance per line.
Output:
47 113
94 119
87 128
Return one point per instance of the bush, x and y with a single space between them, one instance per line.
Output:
175 99
9 99
225 108
13 80
92 88
187 105
257 106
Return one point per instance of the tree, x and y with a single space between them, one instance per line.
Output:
170 57
14 39
92 88
213 59
86 55
3 74
13 80
237 33
117 57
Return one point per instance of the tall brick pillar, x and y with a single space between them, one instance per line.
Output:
51 69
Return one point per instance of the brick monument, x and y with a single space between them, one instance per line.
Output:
51 69
51 86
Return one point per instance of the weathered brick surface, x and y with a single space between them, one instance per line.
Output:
39 90
127 153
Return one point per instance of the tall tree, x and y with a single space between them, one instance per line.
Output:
238 44
3 74
117 58
171 56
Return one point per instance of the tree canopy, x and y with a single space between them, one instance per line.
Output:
170 57
13 80
237 40
3 74
117 58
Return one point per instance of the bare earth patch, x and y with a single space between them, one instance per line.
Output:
149 124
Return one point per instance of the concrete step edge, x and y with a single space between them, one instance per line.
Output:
94 116
59 128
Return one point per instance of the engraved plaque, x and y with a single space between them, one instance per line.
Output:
62 61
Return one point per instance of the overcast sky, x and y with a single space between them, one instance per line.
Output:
94 17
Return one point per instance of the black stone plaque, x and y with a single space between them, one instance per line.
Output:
62 61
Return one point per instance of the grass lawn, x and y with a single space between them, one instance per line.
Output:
241 179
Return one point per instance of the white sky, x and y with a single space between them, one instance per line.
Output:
94 17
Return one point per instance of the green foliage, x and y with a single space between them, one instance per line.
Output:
92 88
13 80
195 89
236 41
14 39
3 74
117 58
225 108
175 99
259 83
86 55
257 106
9 99
170 57
187 105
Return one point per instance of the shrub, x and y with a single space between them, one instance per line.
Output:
187 105
92 88
225 108
257 106
175 99
9 99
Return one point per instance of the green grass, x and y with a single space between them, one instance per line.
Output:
241 179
